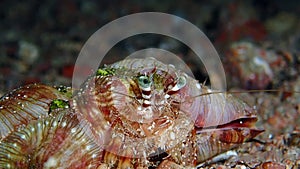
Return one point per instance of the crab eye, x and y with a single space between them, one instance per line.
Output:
144 82
181 82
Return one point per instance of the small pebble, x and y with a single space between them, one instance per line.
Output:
28 52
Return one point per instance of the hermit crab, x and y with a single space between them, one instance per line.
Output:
135 113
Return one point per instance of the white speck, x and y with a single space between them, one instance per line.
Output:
172 135
8 165
54 123
241 122
73 130
32 129
172 66
64 124
51 162
109 83
25 96
270 136
94 155
23 136
198 86
167 96
139 108
224 156
15 144
261 62
243 167
209 90
88 147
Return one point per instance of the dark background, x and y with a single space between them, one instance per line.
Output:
40 41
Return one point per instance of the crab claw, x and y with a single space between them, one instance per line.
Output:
213 141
